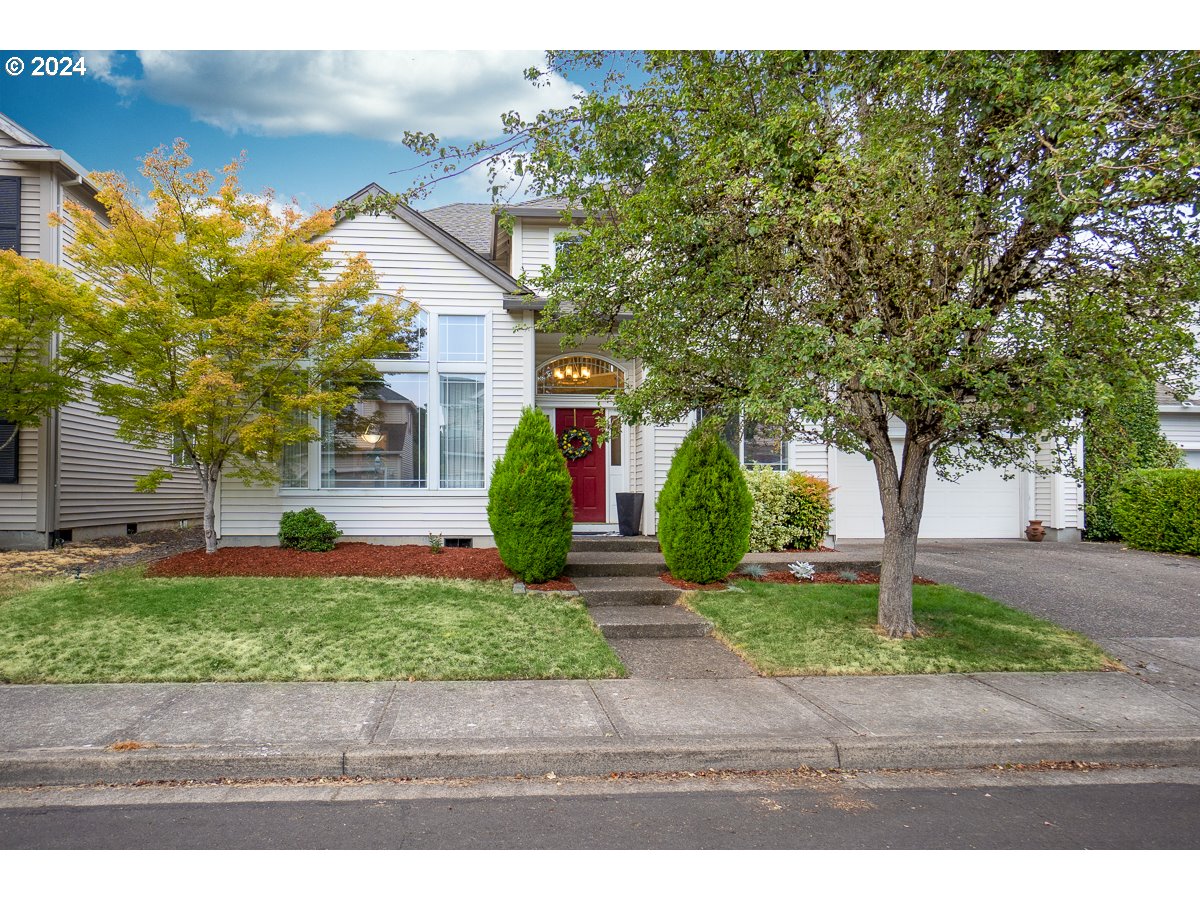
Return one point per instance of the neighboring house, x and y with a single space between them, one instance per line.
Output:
414 457
69 479
1179 421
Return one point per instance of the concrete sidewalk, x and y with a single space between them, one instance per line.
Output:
57 734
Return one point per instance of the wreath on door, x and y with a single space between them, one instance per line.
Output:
575 443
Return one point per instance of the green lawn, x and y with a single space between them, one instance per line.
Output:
120 626
828 629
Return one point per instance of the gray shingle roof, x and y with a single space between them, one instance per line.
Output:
545 203
471 223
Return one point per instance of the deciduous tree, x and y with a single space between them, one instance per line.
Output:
226 324
47 347
961 246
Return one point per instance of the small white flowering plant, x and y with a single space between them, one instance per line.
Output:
803 571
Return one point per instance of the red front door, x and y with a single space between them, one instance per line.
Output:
587 474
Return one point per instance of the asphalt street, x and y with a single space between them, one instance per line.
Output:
1160 810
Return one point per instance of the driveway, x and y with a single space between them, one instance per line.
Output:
1144 608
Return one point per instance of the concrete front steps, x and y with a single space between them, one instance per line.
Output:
618 578
626 590
611 543
625 622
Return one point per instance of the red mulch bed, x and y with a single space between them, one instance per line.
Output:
477 563
691 585
554 584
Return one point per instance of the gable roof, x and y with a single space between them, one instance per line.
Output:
471 223
31 148
444 239
19 134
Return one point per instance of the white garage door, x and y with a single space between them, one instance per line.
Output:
979 505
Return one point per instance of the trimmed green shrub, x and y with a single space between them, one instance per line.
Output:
704 510
307 529
791 510
530 510
769 528
1119 437
811 505
1159 509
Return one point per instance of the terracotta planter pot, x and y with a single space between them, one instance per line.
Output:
1035 531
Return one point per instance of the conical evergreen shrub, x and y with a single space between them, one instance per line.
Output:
529 502
704 510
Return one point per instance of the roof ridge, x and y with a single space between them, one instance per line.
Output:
20 133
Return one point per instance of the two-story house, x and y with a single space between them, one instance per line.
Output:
414 456
70 478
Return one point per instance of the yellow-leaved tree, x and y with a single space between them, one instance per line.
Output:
46 340
227 325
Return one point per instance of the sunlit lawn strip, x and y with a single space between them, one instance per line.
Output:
121 627
828 629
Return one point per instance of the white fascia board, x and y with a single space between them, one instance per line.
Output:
47 154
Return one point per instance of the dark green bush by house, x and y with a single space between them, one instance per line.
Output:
1159 509
529 502
1117 438
704 510
307 529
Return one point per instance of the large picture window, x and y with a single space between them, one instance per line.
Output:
380 440
420 425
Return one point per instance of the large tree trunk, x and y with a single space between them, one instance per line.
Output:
209 476
902 495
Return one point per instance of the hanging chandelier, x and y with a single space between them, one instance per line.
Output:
572 373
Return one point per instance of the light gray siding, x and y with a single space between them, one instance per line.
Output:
19 502
1181 428
97 472
96 469
535 249
428 275
666 441
812 458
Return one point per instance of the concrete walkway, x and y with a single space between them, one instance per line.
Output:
57 734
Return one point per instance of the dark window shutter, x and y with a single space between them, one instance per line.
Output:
10 213
10 455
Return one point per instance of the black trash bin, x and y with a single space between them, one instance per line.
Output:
629 513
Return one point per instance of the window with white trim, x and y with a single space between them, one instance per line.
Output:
562 241
755 443
421 424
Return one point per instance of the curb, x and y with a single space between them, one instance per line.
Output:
535 759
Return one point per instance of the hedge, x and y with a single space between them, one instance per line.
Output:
704 510
1159 509
530 510
1119 437
791 510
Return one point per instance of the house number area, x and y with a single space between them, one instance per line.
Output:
47 65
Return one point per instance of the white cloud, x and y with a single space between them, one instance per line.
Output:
369 94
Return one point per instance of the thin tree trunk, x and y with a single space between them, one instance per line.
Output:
208 480
902 495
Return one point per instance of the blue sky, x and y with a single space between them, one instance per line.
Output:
315 126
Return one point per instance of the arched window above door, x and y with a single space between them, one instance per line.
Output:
579 374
